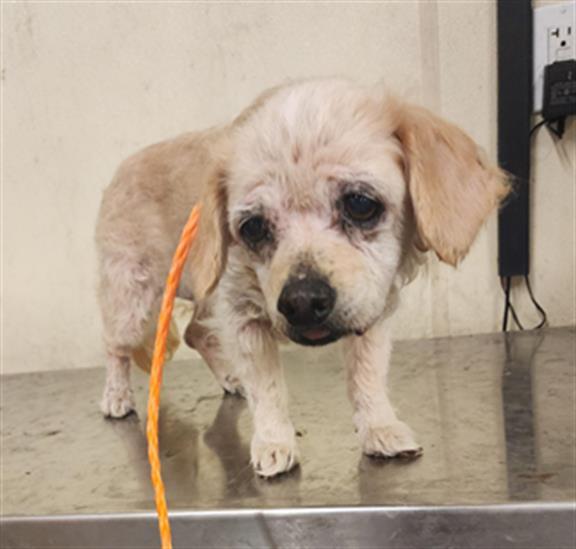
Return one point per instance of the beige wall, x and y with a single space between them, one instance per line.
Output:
85 84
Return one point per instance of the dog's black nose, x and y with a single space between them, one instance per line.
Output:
306 302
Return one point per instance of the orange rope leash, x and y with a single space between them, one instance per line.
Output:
178 261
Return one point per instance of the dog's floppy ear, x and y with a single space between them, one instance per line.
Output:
452 188
209 249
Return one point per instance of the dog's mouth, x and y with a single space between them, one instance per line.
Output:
321 335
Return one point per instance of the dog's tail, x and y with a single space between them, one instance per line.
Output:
142 355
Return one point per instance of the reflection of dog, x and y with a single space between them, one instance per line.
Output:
224 439
316 201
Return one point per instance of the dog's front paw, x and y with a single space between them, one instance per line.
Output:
392 440
117 403
273 458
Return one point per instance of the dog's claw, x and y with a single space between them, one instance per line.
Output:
117 403
232 386
411 454
273 459
391 441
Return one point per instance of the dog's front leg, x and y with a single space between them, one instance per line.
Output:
273 448
367 360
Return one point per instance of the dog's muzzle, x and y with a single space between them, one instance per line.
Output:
306 303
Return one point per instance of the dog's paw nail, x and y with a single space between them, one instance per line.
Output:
232 386
272 459
393 440
410 454
117 403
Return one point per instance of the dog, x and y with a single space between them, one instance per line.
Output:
317 202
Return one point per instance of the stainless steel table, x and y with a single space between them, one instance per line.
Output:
496 416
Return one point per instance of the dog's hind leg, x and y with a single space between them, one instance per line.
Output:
129 299
117 400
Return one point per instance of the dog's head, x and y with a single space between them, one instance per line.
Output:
326 190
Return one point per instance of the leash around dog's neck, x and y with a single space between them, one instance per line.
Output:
172 282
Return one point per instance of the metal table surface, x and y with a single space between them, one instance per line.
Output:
496 416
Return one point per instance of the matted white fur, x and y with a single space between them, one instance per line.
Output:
290 160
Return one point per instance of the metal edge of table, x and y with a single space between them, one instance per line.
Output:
521 525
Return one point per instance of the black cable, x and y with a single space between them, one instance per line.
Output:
508 306
507 281
506 302
537 126
543 316
558 131
510 310
515 317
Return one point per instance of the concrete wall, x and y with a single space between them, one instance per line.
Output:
85 84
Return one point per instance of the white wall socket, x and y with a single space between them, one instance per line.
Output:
554 38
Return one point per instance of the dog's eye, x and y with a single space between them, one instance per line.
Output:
360 208
254 229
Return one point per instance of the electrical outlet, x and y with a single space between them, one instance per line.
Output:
554 38
560 43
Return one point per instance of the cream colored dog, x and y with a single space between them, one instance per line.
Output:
316 202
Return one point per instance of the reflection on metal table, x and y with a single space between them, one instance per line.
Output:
496 416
